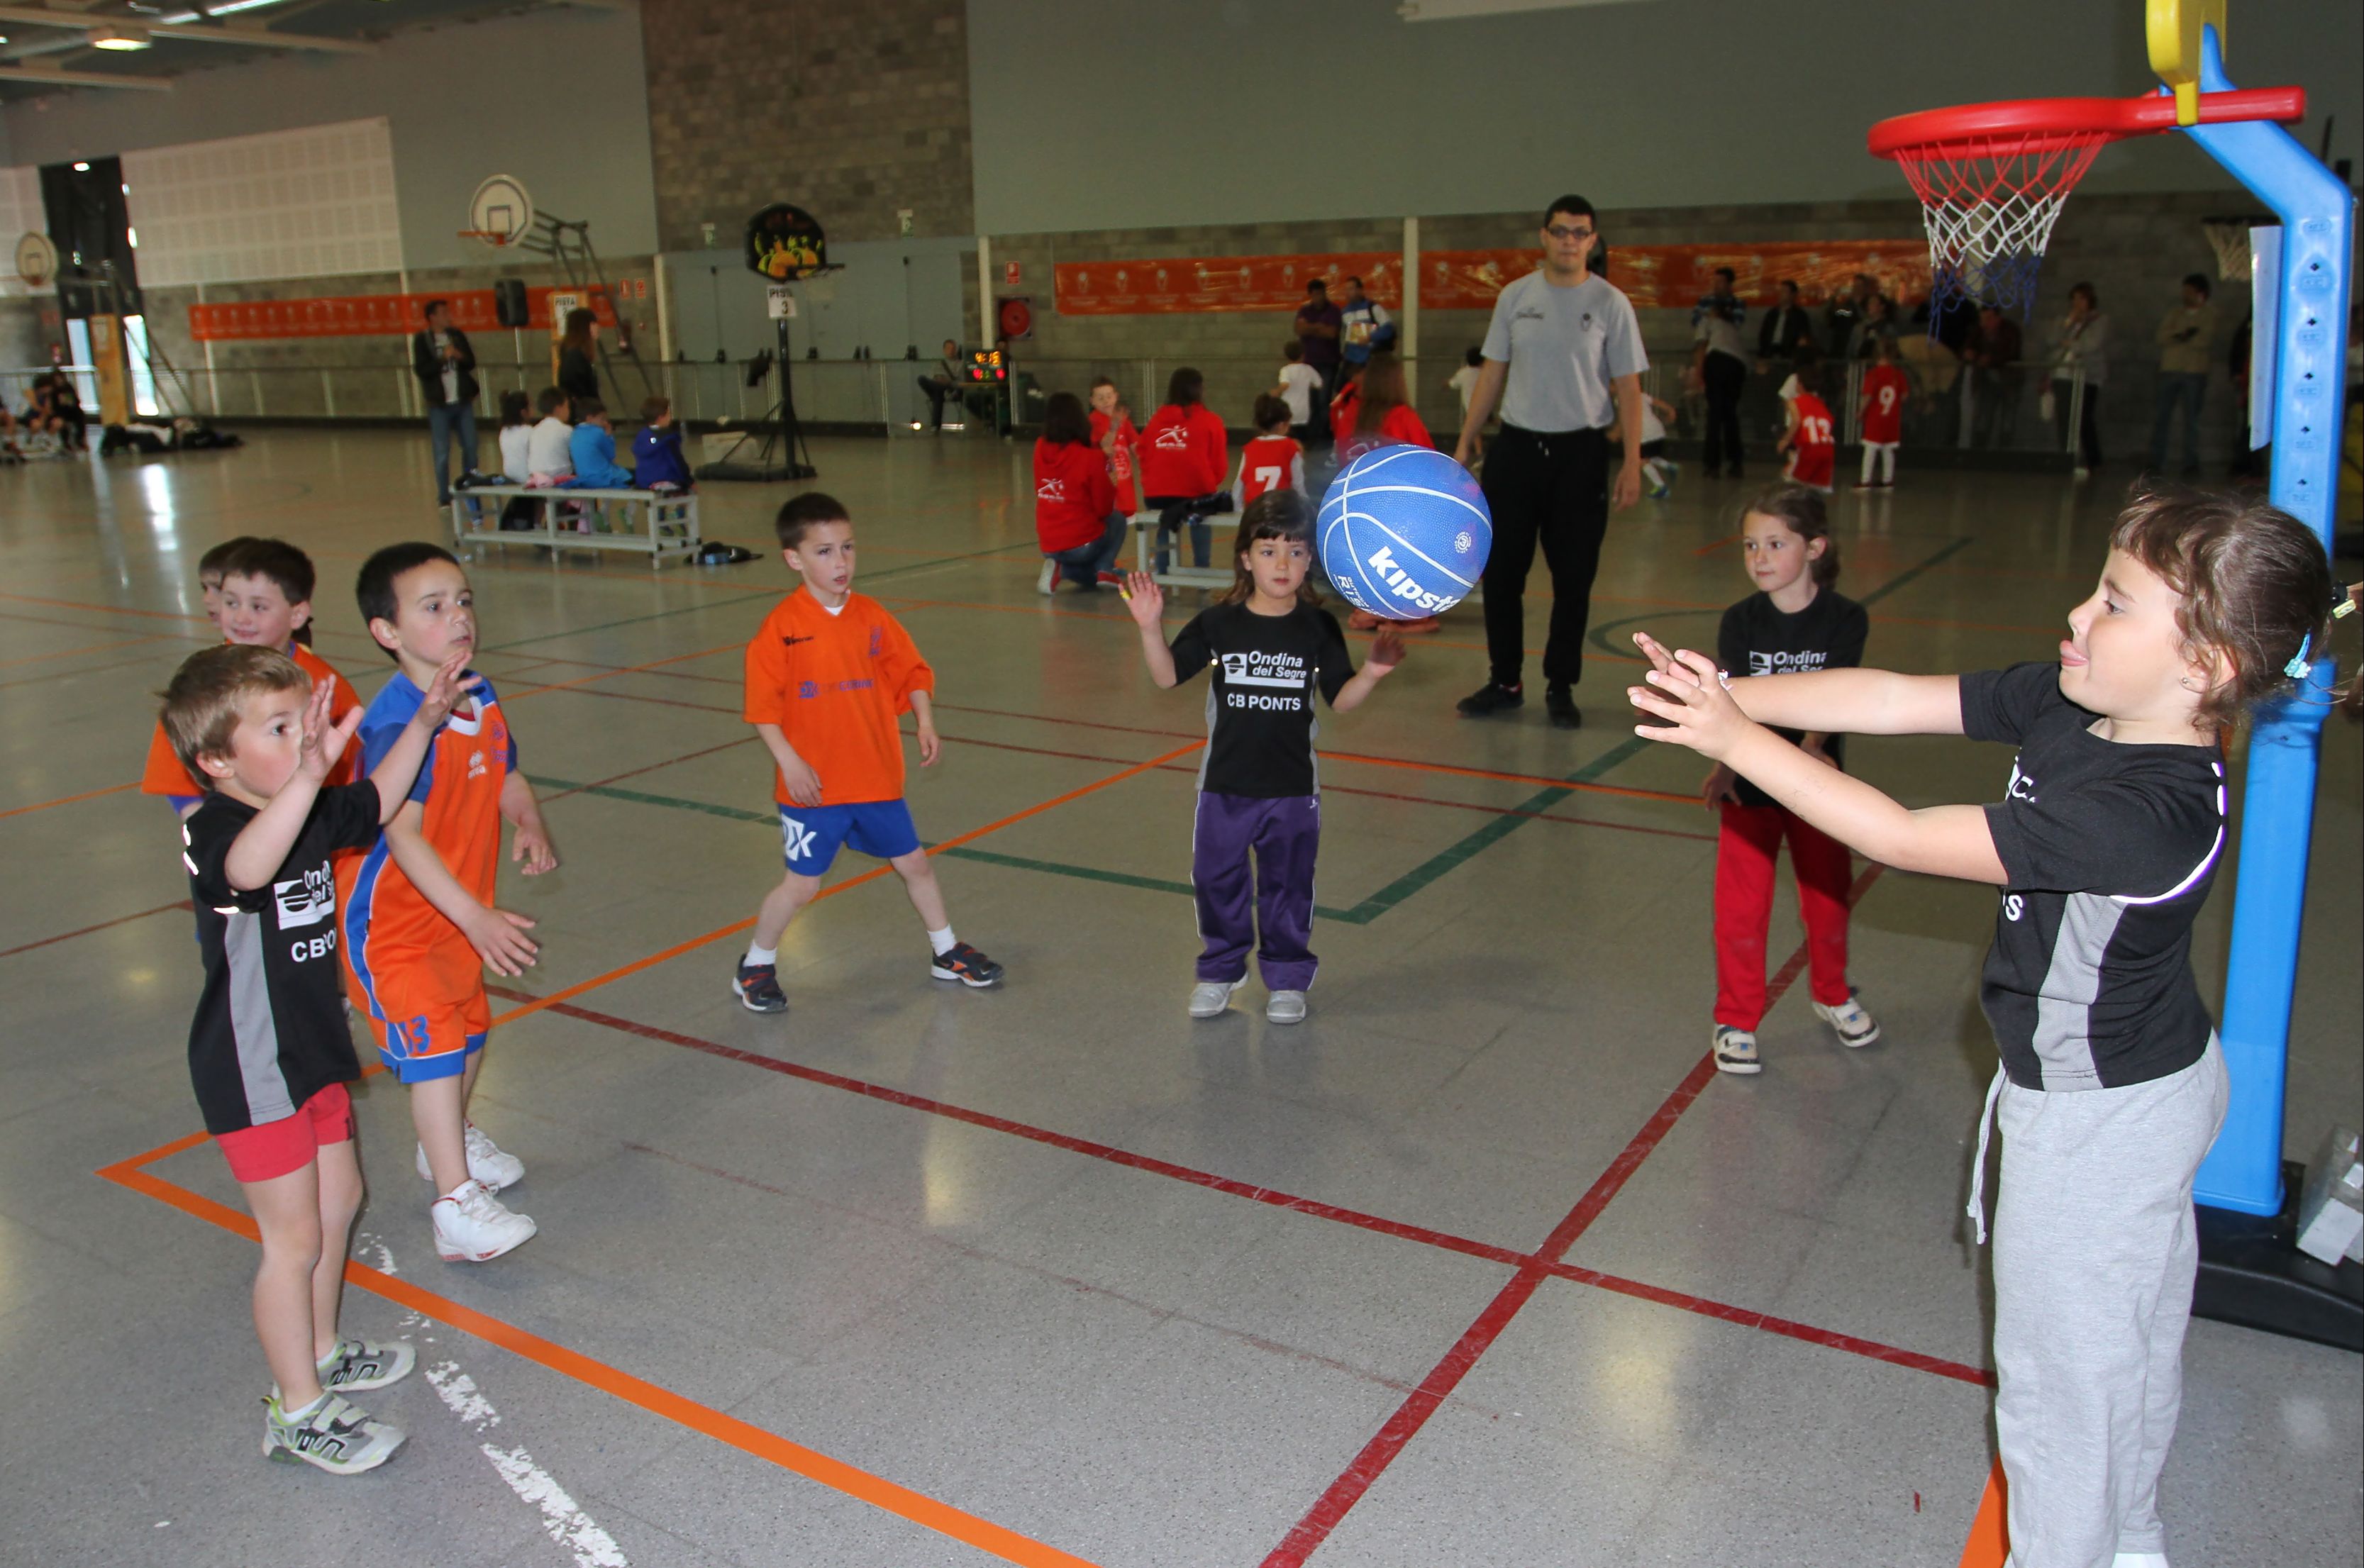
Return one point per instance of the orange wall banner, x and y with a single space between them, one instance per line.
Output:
362 315
1182 285
1651 275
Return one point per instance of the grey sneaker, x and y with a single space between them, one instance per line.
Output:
337 1436
1736 1051
1854 1027
358 1364
1213 998
1285 1007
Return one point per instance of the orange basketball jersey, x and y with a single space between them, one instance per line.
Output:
165 776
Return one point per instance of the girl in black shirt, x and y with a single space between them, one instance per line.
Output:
1270 646
2112 1086
1795 622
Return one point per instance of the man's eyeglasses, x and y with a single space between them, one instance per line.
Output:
1562 231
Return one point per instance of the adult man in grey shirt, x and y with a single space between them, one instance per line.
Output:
1564 359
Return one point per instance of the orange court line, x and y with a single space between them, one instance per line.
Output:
1719 544
873 874
93 648
68 799
836 1473
104 609
1990 1543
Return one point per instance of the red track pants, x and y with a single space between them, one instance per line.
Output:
1745 856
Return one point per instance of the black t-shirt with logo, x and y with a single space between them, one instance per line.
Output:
269 1027
1260 721
2109 849
1757 639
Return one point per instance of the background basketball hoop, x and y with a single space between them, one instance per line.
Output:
500 212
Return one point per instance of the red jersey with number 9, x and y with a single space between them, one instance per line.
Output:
1884 389
1813 450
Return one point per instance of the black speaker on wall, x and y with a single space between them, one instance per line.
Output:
509 302
89 221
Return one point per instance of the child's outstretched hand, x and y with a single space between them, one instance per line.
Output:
1144 598
1698 711
443 692
322 741
1386 651
1661 657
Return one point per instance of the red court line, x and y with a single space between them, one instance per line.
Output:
614 671
1719 544
68 799
635 773
748 1439
579 690
103 925
834 888
1872 1350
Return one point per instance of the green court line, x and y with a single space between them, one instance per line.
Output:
1598 635
1910 572
638 797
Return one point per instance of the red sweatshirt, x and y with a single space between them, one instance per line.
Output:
1119 457
1072 497
1184 452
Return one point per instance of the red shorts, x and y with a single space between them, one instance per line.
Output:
436 1042
274 1149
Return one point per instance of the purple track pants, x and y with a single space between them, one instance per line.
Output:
1273 900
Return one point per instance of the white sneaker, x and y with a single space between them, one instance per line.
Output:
1285 1007
487 1163
1213 998
1736 1051
1050 577
1854 1027
472 1226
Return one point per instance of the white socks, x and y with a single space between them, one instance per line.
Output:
942 942
756 955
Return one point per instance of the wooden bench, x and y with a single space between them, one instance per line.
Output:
659 524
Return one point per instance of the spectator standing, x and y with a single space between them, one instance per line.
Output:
944 383
1723 366
1299 384
1724 297
1848 312
1787 329
2187 344
1370 329
1564 359
446 368
578 356
1881 322
1319 326
2080 347
1997 377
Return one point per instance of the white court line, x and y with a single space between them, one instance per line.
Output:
561 1518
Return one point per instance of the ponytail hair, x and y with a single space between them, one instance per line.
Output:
1800 508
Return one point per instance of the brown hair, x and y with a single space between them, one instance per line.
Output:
655 408
2252 581
805 512
215 562
1184 387
1382 392
1277 513
203 699
577 336
277 561
1270 411
1799 507
1064 423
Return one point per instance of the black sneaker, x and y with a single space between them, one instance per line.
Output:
965 964
1491 698
757 987
1560 702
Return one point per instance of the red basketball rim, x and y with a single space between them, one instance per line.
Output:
2038 124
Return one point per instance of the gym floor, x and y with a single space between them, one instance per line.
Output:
1481 1264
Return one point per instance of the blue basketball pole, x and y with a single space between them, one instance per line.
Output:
2243 1172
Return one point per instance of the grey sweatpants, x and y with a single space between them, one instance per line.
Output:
2094 1253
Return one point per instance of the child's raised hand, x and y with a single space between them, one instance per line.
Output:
1661 657
1144 598
323 742
1691 699
1386 651
443 692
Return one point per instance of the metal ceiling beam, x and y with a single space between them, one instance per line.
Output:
193 32
85 79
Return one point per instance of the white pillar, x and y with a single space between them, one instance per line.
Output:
984 291
1408 326
665 310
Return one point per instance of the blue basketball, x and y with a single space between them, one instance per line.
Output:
1404 532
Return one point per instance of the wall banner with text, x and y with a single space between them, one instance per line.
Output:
363 314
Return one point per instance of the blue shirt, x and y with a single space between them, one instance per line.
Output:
657 458
594 451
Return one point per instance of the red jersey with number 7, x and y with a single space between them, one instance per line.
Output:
1884 390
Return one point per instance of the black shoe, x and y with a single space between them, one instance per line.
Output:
757 987
965 964
1560 702
1491 698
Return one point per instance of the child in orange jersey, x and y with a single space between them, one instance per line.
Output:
261 597
827 673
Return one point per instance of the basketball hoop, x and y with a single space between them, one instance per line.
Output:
2229 237
1992 178
491 236
500 212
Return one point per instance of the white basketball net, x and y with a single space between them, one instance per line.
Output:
2229 237
1989 204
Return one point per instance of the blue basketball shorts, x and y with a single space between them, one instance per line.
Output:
810 835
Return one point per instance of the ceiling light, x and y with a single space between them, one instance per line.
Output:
119 39
82 168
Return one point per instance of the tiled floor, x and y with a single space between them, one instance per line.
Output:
1479 1265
